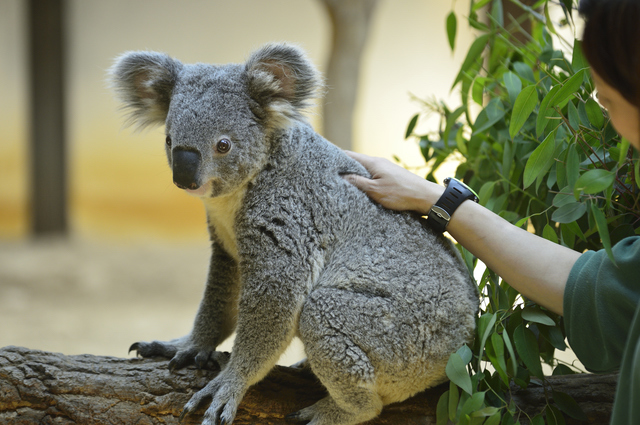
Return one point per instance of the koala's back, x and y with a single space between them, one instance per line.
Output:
398 289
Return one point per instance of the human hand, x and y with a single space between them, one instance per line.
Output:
394 187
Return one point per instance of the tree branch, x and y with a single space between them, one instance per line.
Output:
38 387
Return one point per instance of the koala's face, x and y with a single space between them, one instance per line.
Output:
218 119
214 141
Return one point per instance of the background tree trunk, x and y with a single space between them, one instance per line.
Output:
350 21
48 148
38 387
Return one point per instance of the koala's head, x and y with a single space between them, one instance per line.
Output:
218 119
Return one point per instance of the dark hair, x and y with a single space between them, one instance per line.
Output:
611 43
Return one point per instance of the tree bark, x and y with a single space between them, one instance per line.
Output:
38 387
350 22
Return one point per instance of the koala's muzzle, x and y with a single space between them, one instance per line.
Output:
185 165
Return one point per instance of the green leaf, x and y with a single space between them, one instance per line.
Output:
474 52
527 347
538 420
486 412
512 354
624 149
554 416
568 405
473 404
461 142
495 352
558 96
603 231
594 181
569 212
412 125
479 4
538 316
442 409
477 90
485 327
543 120
485 192
524 105
465 353
452 24
594 113
540 160
513 85
457 373
549 234
573 165
454 396
524 71
574 118
491 114
569 87
578 60
494 419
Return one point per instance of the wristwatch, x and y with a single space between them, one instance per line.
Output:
455 193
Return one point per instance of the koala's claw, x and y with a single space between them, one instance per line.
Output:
185 412
135 346
294 417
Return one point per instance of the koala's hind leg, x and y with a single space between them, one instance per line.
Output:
344 368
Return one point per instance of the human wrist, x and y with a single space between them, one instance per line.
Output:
427 196
455 194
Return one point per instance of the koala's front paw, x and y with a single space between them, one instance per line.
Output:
225 392
182 352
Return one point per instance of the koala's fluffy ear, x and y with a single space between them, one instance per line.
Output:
144 82
282 81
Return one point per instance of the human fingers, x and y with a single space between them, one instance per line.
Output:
362 183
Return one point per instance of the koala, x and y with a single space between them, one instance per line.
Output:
378 299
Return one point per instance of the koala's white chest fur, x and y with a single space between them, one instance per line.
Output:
222 212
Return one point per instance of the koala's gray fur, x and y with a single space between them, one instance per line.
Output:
378 299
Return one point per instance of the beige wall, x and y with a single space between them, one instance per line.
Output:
120 186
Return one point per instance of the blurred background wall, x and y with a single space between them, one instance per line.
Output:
136 259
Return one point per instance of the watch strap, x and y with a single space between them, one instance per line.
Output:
455 193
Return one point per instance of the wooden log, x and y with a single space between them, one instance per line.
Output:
38 387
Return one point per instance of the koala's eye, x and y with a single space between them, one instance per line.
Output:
168 141
223 146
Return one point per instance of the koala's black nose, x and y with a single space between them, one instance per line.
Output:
185 168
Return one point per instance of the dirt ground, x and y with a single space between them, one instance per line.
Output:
80 297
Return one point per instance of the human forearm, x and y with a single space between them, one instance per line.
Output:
534 266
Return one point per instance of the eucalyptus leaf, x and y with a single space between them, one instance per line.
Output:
603 230
524 105
513 85
569 212
442 409
594 113
457 373
594 181
540 160
538 316
524 71
527 347
454 397
452 24
474 403
568 405
411 126
473 54
578 61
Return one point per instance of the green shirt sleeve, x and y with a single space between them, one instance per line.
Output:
600 302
